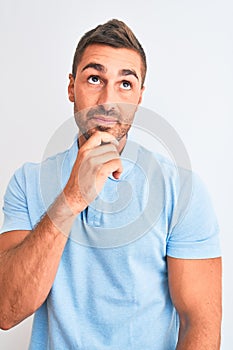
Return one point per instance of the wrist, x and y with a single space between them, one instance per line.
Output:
73 201
61 215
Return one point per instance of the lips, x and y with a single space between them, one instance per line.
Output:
101 115
100 119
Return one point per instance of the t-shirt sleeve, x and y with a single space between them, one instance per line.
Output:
194 232
15 209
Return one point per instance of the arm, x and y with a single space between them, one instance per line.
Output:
28 265
195 288
29 259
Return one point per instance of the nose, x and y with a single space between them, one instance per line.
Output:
108 97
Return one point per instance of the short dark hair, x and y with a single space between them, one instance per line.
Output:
113 33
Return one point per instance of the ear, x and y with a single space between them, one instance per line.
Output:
141 93
71 88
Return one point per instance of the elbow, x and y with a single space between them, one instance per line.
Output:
5 326
9 320
6 320
5 316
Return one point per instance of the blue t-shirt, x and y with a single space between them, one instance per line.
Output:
111 288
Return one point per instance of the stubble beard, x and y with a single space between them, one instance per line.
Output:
119 130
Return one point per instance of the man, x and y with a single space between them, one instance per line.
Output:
161 287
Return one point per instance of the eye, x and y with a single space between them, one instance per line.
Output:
94 79
126 85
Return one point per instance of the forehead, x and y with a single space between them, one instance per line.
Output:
111 58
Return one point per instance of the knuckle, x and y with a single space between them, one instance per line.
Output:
115 155
113 148
102 173
83 153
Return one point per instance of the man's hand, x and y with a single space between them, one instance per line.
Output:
96 160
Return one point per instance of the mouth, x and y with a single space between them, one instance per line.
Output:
104 120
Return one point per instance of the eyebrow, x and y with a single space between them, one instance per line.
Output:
100 68
96 66
125 72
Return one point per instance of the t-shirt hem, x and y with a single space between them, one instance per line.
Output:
12 228
195 254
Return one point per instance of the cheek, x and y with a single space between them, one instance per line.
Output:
132 102
84 100
127 111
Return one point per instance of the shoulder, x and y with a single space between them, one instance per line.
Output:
182 187
32 170
171 172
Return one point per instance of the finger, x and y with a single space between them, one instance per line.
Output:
103 158
102 149
99 137
116 174
113 166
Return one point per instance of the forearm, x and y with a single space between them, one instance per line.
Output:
27 271
200 336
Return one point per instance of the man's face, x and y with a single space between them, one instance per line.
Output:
106 90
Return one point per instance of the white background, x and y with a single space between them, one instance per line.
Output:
189 45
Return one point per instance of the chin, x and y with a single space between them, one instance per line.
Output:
118 133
